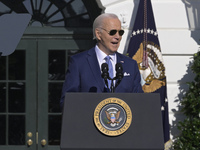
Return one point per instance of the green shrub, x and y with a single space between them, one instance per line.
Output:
189 138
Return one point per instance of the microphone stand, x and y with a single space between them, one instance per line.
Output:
112 86
105 76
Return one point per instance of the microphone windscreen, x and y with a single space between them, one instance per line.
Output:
118 67
104 67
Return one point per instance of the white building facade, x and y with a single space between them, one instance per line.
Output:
178 27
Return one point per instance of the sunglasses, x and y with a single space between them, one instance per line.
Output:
114 31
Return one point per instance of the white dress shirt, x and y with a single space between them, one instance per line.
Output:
101 59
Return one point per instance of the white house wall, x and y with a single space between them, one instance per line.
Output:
179 35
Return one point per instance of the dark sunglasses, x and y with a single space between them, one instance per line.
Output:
114 31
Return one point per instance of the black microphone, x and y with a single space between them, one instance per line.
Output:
119 73
105 74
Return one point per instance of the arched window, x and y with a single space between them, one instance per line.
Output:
54 13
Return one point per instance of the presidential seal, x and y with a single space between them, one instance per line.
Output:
112 116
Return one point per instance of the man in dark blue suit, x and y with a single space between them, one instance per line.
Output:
84 72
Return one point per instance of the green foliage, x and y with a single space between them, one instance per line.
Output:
189 138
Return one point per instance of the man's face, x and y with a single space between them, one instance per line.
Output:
109 44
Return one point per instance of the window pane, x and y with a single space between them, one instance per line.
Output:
56 65
2 97
2 68
17 65
2 129
54 97
16 130
54 130
16 100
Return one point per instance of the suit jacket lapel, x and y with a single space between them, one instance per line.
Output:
119 58
95 69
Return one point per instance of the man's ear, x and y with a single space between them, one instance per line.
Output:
98 34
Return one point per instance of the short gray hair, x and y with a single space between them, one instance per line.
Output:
98 22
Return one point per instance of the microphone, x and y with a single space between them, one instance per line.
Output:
119 73
105 74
